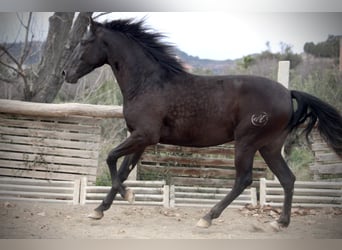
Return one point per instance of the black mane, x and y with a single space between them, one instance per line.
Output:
150 41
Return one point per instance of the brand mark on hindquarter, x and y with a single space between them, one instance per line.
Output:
259 119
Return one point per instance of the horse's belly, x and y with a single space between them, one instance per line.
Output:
197 136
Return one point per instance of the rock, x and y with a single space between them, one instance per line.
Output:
8 205
273 214
41 214
257 228
275 226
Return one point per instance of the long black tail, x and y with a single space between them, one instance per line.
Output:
329 119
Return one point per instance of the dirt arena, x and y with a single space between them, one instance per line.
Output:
55 221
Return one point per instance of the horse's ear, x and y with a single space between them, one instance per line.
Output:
92 25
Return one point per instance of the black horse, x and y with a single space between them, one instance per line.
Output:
164 103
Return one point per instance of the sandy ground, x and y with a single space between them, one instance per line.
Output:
55 221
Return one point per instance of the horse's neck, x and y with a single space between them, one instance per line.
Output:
133 72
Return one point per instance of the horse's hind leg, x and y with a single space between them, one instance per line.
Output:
277 164
244 164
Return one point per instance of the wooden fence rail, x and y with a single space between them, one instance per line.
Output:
185 196
59 110
20 189
306 194
146 193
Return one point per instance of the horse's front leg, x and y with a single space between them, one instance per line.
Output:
125 169
133 147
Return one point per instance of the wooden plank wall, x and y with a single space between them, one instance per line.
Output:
210 167
327 165
54 148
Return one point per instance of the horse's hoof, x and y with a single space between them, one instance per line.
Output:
203 223
96 215
283 222
130 196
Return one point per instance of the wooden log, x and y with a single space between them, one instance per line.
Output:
218 150
59 110
33 182
199 161
328 168
25 173
328 157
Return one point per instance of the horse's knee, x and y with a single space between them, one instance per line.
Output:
111 158
288 183
246 180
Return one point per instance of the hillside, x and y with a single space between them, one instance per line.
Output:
213 66
193 62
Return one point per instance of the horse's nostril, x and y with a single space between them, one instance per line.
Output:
63 73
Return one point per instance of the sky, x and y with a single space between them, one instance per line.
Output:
216 35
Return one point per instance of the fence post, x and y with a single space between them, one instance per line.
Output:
283 78
284 73
172 196
254 197
262 192
76 198
83 191
166 196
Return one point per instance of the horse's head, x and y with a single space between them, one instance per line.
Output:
88 55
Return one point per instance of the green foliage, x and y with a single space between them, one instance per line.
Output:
300 158
328 48
246 62
286 54
104 179
107 93
325 83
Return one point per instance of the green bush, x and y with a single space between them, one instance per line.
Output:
299 160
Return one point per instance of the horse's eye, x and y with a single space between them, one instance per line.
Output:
83 42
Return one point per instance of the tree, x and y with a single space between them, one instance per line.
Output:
329 48
246 62
42 82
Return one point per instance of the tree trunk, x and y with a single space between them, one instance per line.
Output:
62 39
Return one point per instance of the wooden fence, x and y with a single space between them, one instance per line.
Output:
208 167
185 196
20 189
327 165
51 141
79 191
306 194
146 193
